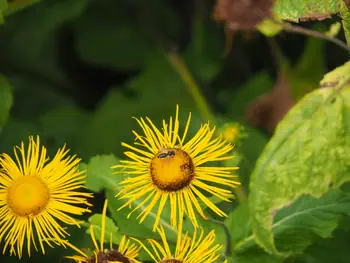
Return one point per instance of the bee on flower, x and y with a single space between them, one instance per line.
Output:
166 167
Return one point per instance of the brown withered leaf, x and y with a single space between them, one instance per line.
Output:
267 111
242 14
314 15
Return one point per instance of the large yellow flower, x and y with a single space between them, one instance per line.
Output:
126 252
164 167
198 249
36 195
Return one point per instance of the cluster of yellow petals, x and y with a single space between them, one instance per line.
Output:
38 195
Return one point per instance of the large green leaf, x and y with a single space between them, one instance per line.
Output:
308 154
345 15
333 78
6 99
295 227
295 10
334 249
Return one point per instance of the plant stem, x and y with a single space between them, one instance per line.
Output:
191 85
18 5
308 32
201 102
228 250
240 194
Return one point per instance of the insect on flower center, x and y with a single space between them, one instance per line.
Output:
108 256
172 169
28 196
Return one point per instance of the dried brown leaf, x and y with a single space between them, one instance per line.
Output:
242 14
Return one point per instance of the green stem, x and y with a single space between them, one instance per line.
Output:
240 194
308 32
18 5
191 85
201 102
228 250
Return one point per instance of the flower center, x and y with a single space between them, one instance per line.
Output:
172 169
108 256
28 196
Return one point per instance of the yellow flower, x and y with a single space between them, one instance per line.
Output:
163 167
126 252
188 250
36 194
233 132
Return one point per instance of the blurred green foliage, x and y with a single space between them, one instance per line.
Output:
77 71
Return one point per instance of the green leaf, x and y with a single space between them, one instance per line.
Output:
3 6
334 249
117 38
33 49
308 154
100 174
158 89
301 224
61 126
14 132
295 227
6 99
239 223
129 226
295 10
204 53
110 229
345 15
254 255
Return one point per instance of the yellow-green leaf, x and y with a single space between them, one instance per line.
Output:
336 76
307 155
345 15
295 10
